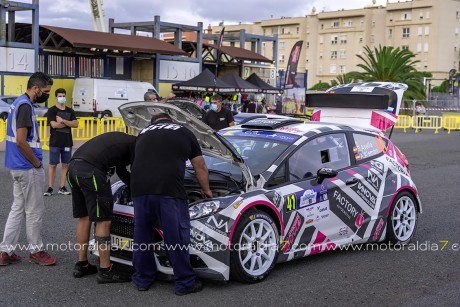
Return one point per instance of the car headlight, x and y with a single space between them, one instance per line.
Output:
203 209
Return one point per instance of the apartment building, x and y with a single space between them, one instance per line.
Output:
429 28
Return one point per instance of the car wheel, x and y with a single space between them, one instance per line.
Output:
402 220
4 116
255 247
106 114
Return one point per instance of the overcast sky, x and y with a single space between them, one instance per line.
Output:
76 13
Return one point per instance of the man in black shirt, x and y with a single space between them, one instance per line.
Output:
60 119
89 174
217 117
157 188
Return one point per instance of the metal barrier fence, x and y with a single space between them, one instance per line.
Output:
89 127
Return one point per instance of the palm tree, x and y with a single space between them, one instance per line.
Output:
344 79
392 65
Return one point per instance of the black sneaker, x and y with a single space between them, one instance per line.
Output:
80 270
48 192
112 276
196 288
64 191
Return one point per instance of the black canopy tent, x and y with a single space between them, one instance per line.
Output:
264 86
205 82
239 83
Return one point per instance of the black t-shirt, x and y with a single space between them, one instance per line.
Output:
218 120
109 152
24 119
160 155
60 137
251 108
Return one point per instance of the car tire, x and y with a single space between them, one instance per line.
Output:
4 116
106 114
402 220
254 247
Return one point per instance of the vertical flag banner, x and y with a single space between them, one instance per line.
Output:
291 70
219 52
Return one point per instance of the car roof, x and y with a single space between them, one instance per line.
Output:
296 127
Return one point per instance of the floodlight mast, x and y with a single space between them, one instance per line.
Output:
98 15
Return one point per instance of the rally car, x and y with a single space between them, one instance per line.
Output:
285 189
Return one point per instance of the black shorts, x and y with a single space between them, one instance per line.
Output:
91 191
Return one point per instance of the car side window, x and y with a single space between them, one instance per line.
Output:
367 146
278 177
330 151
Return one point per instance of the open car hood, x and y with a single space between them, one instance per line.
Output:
137 115
371 105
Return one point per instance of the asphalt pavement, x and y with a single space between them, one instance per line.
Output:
426 275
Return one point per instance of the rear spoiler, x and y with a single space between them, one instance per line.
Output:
371 105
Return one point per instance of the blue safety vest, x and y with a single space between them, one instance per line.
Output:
14 159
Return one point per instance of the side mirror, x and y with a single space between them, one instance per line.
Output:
324 173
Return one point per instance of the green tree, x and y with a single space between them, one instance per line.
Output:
344 79
320 86
392 65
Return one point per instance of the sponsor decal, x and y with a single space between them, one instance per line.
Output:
309 221
398 167
279 136
369 198
278 199
378 166
167 126
200 241
306 198
345 205
292 233
343 231
373 180
378 229
291 202
220 226
237 204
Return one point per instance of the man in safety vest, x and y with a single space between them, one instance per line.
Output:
23 156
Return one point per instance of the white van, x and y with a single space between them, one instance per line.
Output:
102 97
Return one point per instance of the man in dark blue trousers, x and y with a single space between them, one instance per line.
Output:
157 189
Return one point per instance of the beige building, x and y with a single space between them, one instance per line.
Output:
429 28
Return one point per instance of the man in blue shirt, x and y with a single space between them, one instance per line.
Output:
23 156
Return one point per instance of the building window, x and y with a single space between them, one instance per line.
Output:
361 23
343 69
297 30
421 15
361 40
281 60
390 17
420 31
335 24
343 39
343 54
264 31
281 45
405 47
333 69
390 33
334 54
427 14
406 32
457 31
334 40
426 47
320 68
322 26
373 24
419 47
308 44
405 16
348 24
321 39
320 54
427 30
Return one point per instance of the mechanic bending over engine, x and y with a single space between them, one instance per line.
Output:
158 193
89 174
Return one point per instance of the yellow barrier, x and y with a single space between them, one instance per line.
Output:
451 123
404 122
110 124
427 122
43 132
2 130
88 127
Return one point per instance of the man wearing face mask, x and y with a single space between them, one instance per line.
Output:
60 119
23 156
217 117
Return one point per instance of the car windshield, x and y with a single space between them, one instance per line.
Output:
259 149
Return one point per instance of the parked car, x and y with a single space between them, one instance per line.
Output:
285 189
6 101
